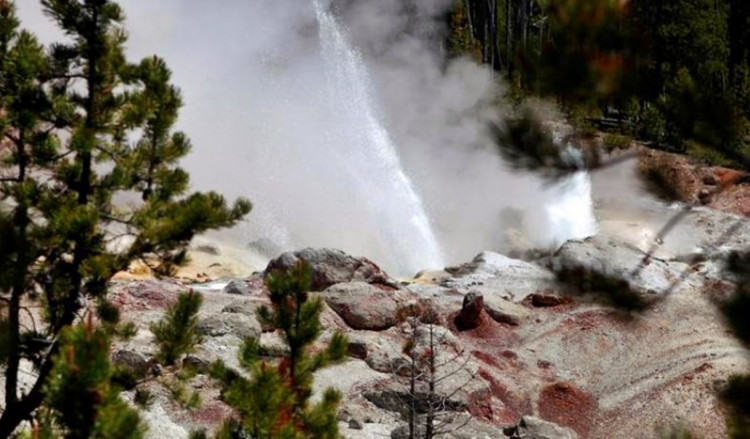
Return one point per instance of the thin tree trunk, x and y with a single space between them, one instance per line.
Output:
19 283
430 427
509 34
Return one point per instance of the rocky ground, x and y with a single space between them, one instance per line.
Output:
524 355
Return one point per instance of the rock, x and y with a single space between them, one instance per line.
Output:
357 349
239 325
615 272
196 363
546 300
131 362
492 274
530 427
432 276
240 307
208 249
330 267
356 424
504 311
710 180
704 195
566 404
273 345
402 432
471 311
457 389
363 306
388 361
238 287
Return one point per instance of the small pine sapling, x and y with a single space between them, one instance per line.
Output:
176 333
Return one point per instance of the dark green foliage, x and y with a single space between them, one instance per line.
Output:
81 401
676 433
673 71
143 398
461 42
736 310
176 332
273 403
528 145
737 396
81 126
614 142
198 434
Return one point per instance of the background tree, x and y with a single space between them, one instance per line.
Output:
673 72
82 130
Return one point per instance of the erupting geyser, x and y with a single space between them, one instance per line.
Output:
376 165
569 209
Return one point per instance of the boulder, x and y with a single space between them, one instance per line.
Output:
240 307
196 363
131 362
363 306
504 311
330 267
613 271
530 427
495 274
389 361
240 325
471 311
237 287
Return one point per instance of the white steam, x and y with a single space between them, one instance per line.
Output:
258 109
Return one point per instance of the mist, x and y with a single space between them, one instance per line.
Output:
253 81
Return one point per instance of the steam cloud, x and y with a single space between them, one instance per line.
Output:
252 76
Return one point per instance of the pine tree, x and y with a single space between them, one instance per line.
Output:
81 401
81 126
274 402
176 332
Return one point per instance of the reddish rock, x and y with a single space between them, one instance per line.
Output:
471 311
542 300
565 404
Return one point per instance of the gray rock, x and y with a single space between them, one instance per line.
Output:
330 267
273 345
363 306
356 424
616 270
504 311
132 362
457 388
239 325
240 307
388 361
530 427
495 274
238 287
402 432
196 363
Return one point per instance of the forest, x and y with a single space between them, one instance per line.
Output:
674 73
